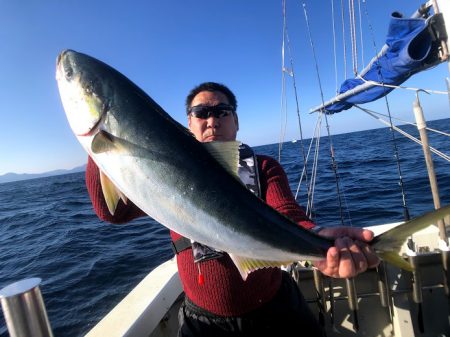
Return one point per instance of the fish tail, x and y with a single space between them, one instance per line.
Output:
388 244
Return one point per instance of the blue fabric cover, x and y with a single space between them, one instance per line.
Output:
409 44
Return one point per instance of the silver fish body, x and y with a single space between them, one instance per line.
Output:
167 173
156 163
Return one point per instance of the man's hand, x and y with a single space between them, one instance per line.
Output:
351 254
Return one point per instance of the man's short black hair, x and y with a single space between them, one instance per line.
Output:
211 86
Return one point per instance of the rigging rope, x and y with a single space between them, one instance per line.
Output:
404 133
310 205
292 74
361 32
310 186
333 160
394 141
403 121
343 38
283 108
351 9
429 91
334 48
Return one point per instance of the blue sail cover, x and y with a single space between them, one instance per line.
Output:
409 43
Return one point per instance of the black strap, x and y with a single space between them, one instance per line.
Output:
180 245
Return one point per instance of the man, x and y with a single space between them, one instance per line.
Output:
218 301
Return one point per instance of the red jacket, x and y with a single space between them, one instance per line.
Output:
224 292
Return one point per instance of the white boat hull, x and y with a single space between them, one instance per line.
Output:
151 308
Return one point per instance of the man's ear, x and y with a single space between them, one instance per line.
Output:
189 121
236 119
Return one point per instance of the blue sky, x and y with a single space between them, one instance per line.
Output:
167 47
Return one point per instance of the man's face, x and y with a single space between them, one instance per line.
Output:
213 128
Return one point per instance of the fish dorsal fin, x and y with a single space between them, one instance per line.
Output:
226 153
111 193
246 265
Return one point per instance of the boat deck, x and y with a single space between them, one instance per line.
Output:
383 302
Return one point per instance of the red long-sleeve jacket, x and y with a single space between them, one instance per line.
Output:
223 292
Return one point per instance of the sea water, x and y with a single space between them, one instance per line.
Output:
48 228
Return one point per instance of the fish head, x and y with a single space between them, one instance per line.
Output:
83 93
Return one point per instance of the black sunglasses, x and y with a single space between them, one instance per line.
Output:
205 111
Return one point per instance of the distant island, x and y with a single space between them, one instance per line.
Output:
9 177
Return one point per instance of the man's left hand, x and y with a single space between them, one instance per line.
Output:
351 253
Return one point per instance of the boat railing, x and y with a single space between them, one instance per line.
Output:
24 309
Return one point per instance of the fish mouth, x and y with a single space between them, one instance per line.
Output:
85 106
96 127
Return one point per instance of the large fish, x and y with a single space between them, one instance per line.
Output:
190 187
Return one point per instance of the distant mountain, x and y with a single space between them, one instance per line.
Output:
8 177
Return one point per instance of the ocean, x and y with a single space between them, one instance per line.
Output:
48 228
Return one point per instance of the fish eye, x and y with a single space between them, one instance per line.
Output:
68 72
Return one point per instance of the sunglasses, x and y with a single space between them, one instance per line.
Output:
205 111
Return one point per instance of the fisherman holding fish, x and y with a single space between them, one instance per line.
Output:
220 300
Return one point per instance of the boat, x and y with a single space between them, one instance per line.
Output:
385 301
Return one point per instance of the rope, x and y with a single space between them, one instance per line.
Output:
344 44
404 133
310 186
403 121
314 52
397 157
361 32
302 146
429 91
283 107
351 9
333 161
334 48
310 205
394 142
292 74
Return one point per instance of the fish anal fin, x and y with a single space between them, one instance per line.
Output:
396 260
246 265
111 193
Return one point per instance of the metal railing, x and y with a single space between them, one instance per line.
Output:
24 309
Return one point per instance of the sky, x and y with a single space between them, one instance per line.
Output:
167 47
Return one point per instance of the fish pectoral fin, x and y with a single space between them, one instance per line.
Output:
104 141
246 265
226 153
111 193
396 260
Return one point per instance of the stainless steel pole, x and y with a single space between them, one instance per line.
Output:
421 126
24 309
443 242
